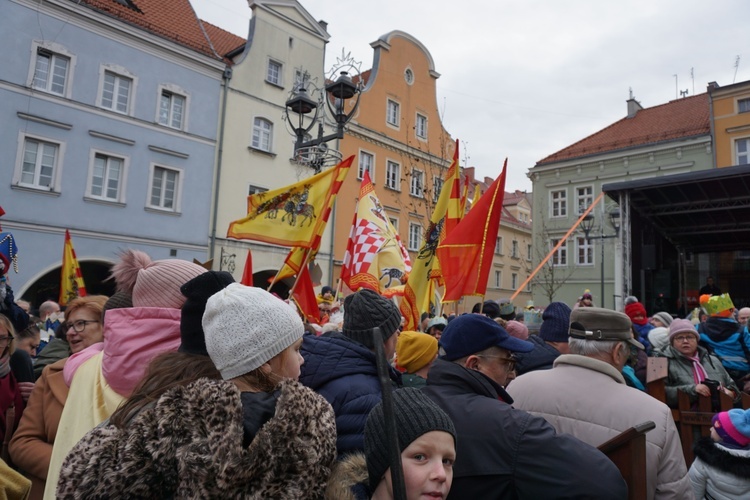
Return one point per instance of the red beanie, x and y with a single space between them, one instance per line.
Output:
636 309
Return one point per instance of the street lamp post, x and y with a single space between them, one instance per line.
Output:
587 224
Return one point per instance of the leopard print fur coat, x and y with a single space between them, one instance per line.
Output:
189 445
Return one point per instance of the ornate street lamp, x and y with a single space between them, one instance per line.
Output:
314 151
587 224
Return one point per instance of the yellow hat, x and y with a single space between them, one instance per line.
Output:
414 350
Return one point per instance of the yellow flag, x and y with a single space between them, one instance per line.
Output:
477 194
71 279
419 287
294 215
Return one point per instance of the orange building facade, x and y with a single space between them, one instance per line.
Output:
397 136
730 123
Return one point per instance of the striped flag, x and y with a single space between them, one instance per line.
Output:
71 279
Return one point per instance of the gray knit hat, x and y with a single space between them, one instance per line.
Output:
245 327
665 318
365 310
416 414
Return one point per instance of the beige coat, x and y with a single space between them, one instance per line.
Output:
589 399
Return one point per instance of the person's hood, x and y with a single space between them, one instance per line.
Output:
719 329
132 338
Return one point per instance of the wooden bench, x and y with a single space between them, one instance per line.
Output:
628 452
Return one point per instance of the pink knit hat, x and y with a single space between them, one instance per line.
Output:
517 329
153 283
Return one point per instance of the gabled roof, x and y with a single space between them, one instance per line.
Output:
174 20
223 41
679 119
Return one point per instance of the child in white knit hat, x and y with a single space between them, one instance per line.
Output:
256 434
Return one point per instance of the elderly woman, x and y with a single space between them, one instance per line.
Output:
31 447
691 365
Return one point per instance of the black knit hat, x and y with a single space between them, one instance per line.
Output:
556 319
416 414
118 300
365 310
197 291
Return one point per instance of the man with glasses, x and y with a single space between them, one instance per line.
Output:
503 452
585 395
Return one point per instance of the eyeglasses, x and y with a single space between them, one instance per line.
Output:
4 341
683 338
80 325
509 362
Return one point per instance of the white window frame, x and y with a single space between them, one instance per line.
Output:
420 126
279 78
416 183
513 281
259 133
499 246
362 165
177 208
394 222
57 50
584 199
558 201
55 185
120 74
122 182
586 246
742 157
253 189
393 113
743 105
514 252
415 237
393 175
498 279
177 91
560 257
437 187
528 251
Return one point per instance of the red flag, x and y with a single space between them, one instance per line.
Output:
247 273
71 279
304 296
466 253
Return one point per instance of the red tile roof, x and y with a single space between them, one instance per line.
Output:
223 41
171 19
678 119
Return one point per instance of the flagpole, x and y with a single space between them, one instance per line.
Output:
559 244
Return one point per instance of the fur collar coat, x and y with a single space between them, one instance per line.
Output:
719 472
189 445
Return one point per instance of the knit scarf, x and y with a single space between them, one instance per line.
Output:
5 364
699 373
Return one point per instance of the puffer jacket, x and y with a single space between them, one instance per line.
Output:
345 373
540 358
722 338
680 376
189 445
720 473
563 396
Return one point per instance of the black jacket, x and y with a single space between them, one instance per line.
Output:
540 358
508 453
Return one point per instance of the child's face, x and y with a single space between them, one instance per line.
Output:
287 363
715 435
428 467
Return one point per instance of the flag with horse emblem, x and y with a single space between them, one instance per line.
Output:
293 215
71 279
375 256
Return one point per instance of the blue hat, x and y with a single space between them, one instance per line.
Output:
556 320
473 333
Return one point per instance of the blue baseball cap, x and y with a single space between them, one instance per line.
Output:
473 333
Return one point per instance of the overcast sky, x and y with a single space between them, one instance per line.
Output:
524 79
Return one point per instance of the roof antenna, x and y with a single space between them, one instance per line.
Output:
736 67
630 89
692 77
675 86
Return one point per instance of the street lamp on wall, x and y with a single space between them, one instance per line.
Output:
314 152
587 224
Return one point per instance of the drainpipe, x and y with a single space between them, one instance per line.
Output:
227 76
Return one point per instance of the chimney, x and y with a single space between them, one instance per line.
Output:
712 86
323 24
469 172
633 107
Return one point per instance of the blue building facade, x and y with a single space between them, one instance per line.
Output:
109 130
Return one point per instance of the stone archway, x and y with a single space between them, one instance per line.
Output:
47 286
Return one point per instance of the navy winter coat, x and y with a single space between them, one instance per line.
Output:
540 358
345 374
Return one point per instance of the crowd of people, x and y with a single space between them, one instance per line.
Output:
184 384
